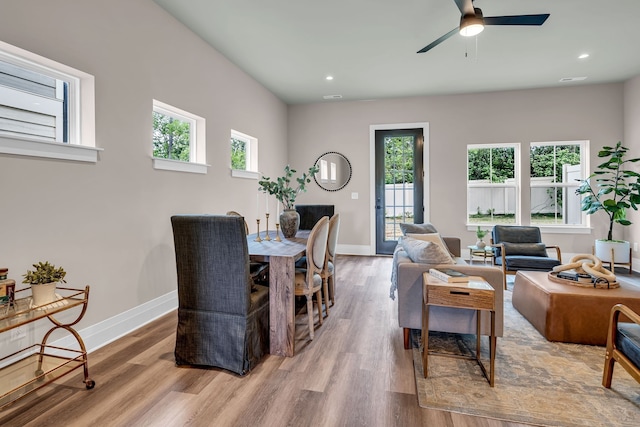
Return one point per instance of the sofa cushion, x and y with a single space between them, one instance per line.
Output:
425 252
432 237
417 228
535 263
628 341
525 249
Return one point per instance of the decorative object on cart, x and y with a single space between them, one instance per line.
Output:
43 280
584 270
286 194
480 233
612 189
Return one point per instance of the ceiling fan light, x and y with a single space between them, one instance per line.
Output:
471 25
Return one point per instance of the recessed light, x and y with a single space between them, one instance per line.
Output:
583 56
571 79
332 96
329 78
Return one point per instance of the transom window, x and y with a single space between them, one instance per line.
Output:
244 155
178 137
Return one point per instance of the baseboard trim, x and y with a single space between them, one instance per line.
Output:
353 250
109 330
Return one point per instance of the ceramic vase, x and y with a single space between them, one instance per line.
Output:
480 244
289 222
44 293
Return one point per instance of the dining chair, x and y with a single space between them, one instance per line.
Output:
223 317
308 281
259 270
329 270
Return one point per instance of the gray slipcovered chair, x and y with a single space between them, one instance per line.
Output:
259 270
223 317
623 344
519 247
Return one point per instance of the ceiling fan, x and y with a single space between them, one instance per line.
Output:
472 22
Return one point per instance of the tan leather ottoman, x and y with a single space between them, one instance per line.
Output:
569 313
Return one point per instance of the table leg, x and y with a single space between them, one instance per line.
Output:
281 305
478 334
424 337
492 347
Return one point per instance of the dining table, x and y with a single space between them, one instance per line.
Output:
281 256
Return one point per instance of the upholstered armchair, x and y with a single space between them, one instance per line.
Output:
223 317
519 247
623 344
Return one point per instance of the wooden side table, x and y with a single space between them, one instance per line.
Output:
476 295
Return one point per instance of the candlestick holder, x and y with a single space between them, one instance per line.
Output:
277 239
258 239
267 238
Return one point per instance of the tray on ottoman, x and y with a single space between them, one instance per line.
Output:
566 313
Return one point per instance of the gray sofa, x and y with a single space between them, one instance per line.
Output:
408 285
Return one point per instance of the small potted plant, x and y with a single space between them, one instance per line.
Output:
286 194
612 189
480 233
43 280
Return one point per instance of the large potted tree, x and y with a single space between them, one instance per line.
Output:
612 189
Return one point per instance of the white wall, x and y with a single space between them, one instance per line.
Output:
592 112
108 224
632 141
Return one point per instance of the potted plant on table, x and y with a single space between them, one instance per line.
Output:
286 194
612 189
480 233
43 280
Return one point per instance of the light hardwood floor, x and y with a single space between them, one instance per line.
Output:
354 373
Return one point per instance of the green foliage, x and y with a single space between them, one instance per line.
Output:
44 273
611 188
481 233
238 154
399 164
548 160
282 189
171 138
493 164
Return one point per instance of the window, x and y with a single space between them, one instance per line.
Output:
244 155
492 184
46 108
178 139
556 171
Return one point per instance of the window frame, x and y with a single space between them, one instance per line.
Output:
585 224
197 141
81 144
251 150
517 181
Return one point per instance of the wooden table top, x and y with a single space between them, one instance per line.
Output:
294 247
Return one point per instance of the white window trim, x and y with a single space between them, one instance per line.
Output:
251 155
82 140
197 150
517 179
585 227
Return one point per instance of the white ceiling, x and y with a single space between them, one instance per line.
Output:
370 46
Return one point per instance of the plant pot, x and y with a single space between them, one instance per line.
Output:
480 244
289 222
620 251
43 294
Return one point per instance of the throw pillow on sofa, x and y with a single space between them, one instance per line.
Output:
408 228
432 237
425 252
524 249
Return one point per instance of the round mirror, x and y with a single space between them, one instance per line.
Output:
334 171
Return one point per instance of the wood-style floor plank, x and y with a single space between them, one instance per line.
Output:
354 373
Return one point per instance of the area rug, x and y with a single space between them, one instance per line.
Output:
536 381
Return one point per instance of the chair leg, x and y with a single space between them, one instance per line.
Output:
325 296
407 338
319 301
607 374
332 290
310 315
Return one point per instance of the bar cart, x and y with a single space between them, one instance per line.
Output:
38 365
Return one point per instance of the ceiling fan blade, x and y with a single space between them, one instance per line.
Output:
440 40
516 19
465 6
